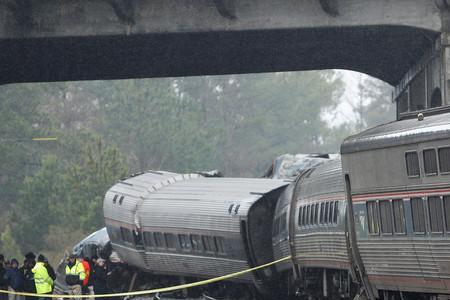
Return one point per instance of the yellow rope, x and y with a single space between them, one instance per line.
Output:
154 291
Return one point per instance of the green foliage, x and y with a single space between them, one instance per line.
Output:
52 192
66 194
8 245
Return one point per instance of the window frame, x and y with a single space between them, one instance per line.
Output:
187 241
308 215
446 218
322 213
336 212
316 214
163 239
331 213
326 214
394 224
220 240
304 217
171 236
201 247
378 223
440 209
436 159
439 160
129 234
418 163
391 217
424 214
213 243
300 216
148 237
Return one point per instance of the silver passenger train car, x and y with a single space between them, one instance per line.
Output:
398 179
192 226
310 225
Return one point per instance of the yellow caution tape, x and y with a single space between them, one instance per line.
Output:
154 291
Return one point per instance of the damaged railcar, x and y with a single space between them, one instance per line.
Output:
189 226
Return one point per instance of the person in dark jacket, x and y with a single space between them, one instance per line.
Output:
28 276
3 284
14 278
99 277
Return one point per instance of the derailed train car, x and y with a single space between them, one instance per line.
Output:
189 226
310 225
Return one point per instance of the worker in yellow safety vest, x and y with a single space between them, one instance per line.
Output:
75 274
42 280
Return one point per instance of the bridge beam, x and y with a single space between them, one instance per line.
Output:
50 40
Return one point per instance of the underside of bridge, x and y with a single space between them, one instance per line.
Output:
403 42
49 40
386 52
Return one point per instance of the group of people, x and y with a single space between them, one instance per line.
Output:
86 276
32 277
82 276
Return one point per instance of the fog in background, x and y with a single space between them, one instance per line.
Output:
52 191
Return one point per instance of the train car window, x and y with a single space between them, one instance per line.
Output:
444 160
283 225
316 220
127 236
336 212
148 239
220 244
196 241
171 241
322 212
447 212
386 216
184 241
418 215
304 216
114 233
209 243
115 199
430 162
327 209
435 211
160 242
399 216
308 215
373 217
121 200
137 236
330 215
300 212
412 164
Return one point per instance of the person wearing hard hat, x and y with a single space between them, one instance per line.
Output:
75 274
42 280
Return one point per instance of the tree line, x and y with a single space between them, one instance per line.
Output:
52 191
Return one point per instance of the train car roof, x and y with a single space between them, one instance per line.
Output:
171 200
326 179
396 133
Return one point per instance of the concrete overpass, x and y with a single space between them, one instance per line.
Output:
50 40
